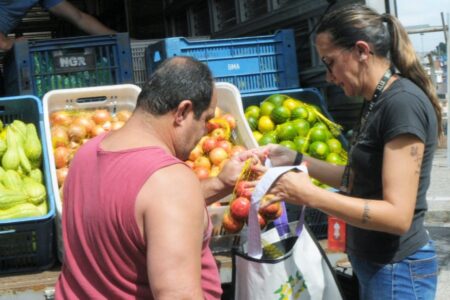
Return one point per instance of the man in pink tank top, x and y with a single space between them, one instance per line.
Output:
135 225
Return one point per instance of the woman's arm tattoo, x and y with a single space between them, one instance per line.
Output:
365 215
415 155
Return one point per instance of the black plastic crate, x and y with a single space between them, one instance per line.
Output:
36 67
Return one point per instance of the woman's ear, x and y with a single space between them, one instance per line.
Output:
363 49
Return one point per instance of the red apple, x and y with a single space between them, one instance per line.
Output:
210 126
272 211
208 144
219 134
237 149
202 161
201 172
239 208
226 145
195 153
217 155
230 224
215 170
230 119
262 221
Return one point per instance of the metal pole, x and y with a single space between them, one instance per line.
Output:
443 26
448 94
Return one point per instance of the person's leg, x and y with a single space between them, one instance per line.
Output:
415 277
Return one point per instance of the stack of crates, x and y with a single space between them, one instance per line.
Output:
138 55
252 64
36 67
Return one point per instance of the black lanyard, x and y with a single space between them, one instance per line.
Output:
361 127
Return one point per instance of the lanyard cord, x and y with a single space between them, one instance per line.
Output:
363 117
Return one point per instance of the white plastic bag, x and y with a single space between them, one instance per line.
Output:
302 272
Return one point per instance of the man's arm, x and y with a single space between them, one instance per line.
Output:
82 20
171 213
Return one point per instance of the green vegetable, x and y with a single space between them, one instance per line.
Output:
23 210
35 191
32 145
10 199
12 181
11 159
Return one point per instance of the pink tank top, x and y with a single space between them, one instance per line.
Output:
105 256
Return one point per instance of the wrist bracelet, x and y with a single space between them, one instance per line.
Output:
298 159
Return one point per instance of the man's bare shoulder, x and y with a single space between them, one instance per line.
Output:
176 183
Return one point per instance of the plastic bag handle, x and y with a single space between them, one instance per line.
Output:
254 231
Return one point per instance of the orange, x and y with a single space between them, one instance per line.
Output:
302 126
334 159
257 135
252 122
290 103
276 99
267 138
334 145
289 144
280 114
252 111
319 134
312 116
301 144
319 150
286 131
299 112
265 124
266 108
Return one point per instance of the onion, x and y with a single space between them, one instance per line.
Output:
61 175
86 122
76 132
62 155
107 125
97 130
101 116
117 125
123 115
59 136
60 118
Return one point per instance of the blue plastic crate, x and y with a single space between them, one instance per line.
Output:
28 244
36 67
252 64
307 95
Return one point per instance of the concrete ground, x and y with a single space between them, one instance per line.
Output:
438 219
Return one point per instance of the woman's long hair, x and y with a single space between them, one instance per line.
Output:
385 33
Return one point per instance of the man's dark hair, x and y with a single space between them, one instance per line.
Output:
177 79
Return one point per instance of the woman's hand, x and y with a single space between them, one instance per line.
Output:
279 155
294 187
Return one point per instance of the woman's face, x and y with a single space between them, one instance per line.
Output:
343 68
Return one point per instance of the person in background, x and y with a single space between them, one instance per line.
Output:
384 185
135 223
12 12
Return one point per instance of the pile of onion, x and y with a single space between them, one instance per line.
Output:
71 129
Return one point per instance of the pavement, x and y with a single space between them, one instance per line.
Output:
437 220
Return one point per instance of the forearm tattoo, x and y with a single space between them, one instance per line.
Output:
415 155
366 211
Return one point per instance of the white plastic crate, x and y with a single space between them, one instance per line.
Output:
124 97
113 98
138 57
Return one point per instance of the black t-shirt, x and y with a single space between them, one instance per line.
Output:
403 108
